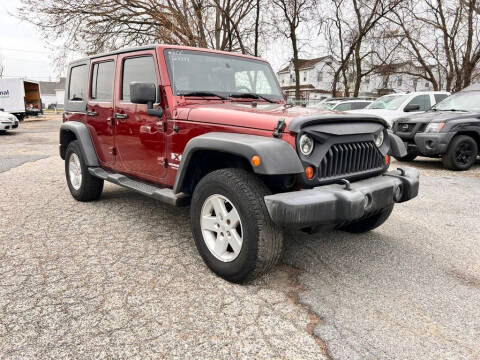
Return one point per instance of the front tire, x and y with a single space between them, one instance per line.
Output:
462 153
369 223
83 186
231 226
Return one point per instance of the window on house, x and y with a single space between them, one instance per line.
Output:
305 76
427 84
77 89
399 81
319 76
102 81
367 79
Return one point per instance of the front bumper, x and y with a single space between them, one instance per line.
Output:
432 143
8 125
335 204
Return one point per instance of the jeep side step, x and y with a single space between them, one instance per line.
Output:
163 194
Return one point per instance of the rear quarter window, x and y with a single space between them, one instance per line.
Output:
77 89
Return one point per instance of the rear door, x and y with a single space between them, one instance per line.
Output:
100 109
140 138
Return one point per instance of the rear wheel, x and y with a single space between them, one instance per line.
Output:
406 158
461 154
83 186
369 223
231 226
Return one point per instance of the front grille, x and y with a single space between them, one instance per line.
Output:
350 158
405 127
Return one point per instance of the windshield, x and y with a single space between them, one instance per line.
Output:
388 102
197 71
461 101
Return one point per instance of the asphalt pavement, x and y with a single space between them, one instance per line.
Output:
121 277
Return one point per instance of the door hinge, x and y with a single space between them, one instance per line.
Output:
113 150
277 131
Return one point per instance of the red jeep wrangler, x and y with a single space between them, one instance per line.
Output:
212 129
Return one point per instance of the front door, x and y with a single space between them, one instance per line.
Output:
139 138
100 108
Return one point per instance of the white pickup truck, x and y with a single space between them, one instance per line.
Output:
393 106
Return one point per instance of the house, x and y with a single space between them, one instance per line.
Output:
48 92
316 79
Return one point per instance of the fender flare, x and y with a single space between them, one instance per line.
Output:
397 147
277 156
80 130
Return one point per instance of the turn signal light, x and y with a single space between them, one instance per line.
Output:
309 172
256 160
387 159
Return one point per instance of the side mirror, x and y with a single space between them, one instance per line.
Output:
411 107
145 93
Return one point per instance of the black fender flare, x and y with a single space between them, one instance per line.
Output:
277 156
80 130
397 147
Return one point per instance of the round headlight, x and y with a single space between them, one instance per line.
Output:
306 144
379 139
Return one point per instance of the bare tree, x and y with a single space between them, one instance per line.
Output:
443 37
350 34
93 26
288 16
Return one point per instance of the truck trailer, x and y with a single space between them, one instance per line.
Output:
20 97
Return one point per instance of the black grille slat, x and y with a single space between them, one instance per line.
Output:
349 158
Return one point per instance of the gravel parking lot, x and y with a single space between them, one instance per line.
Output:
121 277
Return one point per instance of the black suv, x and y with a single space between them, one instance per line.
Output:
450 129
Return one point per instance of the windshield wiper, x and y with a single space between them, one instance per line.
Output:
203 93
252 96
452 110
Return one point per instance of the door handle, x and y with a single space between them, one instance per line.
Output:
121 117
92 113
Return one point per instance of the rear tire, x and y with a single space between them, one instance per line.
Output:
240 249
461 154
369 223
406 158
83 186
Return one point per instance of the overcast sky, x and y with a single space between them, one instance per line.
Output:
26 55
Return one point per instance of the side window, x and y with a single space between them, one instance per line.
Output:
359 105
439 97
102 81
77 85
422 100
344 107
140 69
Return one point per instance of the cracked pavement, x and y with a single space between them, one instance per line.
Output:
121 277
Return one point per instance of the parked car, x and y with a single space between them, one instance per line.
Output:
391 107
7 121
191 126
344 105
451 130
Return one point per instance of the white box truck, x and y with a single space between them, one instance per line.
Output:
20 97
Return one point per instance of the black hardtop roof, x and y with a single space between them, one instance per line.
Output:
119 51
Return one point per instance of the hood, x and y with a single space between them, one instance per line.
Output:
435 116
383 113
263 116
6 116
